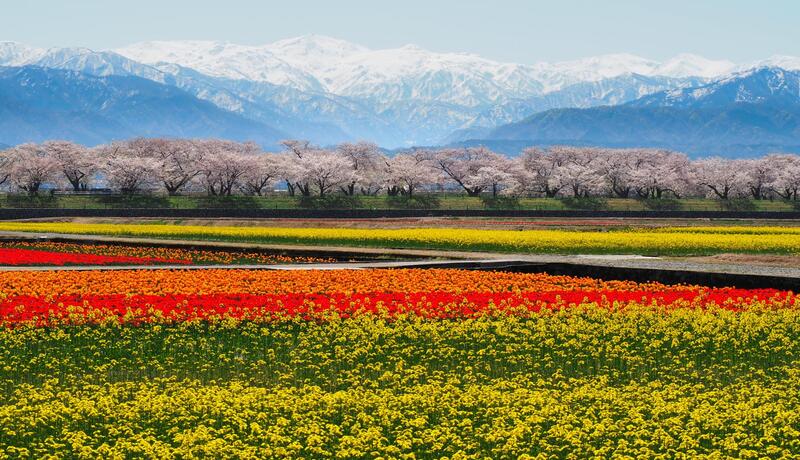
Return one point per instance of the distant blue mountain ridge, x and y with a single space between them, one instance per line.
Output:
745 114
38 104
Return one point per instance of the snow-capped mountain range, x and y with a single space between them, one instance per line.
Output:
346 69
330 90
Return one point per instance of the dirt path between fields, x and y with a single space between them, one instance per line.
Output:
748 259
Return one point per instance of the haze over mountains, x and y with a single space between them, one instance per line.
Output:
329 90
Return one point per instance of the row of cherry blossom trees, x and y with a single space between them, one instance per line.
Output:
223 168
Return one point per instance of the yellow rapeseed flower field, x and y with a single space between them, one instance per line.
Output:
669 241
582 382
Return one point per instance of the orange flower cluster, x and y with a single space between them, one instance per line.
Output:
166 254
220 281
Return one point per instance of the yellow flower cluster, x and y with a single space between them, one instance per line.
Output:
503 420
583 382
683 241
728 230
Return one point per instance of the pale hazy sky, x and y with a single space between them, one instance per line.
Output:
505 30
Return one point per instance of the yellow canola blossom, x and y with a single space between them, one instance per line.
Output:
676 241
581 383
727 229
504 420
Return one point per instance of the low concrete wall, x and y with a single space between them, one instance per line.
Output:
33 213
666 276
640 275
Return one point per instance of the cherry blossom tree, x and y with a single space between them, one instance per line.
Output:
557 169
127 168
722 178
6 161
368 165
294 151
785 182
542 167
577 171
462 166
759 173
263 171
308 169
660 172
286 165
617 167
179 161
502 175
224 163
76 162
322 171
31 167
407 172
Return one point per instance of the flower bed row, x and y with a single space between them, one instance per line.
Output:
164 296
177 308
21 253
684 241
17 257
47 284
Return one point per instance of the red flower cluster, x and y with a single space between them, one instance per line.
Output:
183 307
15 256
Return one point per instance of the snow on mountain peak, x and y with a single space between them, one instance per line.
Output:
315 54
16 54
560 74
320 63
315 46
557 75
386 76
784 62
325 64
692 65
606 66
176 51
227 60
411 72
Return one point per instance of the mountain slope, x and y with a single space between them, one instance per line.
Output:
262 102
763 85
320 117
37 104
748 113
98 63
611 91
217 90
